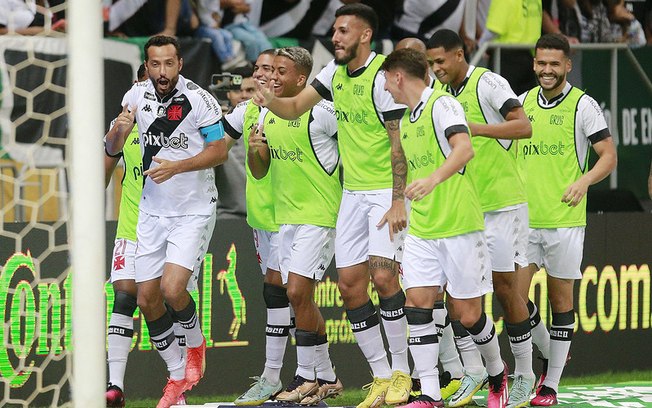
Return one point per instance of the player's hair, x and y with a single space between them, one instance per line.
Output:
410 61
447 39
300 56
553 42
140 74
362 11
269 51
160 41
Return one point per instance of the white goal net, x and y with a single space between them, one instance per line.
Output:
51 126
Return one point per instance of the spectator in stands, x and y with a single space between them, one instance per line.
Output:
421 18
247 87
26 18
210 16
595 26
560 17
143 18
236 21
624 25
515 22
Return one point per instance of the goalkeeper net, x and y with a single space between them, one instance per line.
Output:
39 246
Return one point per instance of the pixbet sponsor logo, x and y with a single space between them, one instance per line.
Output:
162 140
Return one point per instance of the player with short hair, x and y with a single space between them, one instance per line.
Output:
261 218
565 123
181 138
372 212
496 120
303 151
121 324
445 243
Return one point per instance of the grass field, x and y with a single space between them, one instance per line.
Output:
352 397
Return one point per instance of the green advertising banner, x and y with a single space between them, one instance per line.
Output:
634 111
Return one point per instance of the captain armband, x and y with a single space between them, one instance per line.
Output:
213 132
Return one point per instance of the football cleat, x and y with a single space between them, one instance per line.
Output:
519 394
399 388
260 391
172 392
497 396
114 396
196 364
376 395
545 397
469 386
327 389
424 401
298 389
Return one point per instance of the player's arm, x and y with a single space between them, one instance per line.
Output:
606 163
497 95
396 216
110 162
515 126
116 136
287 108
215 153
258 158
591 122
461 154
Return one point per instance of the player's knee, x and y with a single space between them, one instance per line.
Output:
349 290
173 294
385 282
298 297
124 304
275 297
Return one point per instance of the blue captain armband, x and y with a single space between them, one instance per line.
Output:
213 132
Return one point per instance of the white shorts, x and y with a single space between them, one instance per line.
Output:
559 250
266 243
305 250
357 235
462 262
123 262
507 235
181 240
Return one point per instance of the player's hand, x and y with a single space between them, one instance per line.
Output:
264 93
257 139
420 188
164 171
575 192
125 120
395 218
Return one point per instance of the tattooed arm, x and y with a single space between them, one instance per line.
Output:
396 216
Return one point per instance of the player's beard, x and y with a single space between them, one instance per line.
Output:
559 79
171 84
351 53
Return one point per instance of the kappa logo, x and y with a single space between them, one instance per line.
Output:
147 108
339 87
135 141
175 112
271 121
213 200
405 136
531 117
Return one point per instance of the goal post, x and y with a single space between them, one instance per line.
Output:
86 117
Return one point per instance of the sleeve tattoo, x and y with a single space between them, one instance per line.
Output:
399 164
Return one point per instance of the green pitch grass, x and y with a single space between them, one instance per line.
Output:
572 387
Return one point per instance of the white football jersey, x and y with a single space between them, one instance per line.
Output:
170 129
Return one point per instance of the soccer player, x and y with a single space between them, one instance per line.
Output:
372 212
565 123
260 216
121 325
445 243
303 151
496 119
181 138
